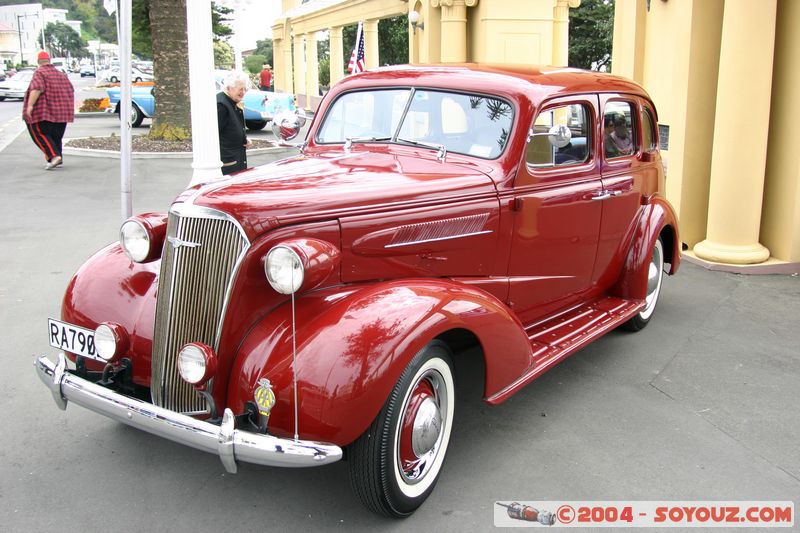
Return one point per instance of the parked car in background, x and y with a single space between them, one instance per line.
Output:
113 75
143 103
87 70
322 303
16 85
259 106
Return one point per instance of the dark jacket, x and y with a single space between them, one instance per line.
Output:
232 137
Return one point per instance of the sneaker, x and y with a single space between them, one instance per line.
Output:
53 163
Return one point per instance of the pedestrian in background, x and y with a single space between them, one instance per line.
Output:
233 142
266 77
48 105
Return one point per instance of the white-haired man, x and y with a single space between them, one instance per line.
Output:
233 142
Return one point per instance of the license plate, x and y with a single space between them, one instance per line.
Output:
73 339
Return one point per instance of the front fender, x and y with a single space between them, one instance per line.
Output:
354 342
109 287
658 218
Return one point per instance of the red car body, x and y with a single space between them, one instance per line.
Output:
405 246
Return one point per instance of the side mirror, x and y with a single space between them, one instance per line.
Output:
287 125
559 135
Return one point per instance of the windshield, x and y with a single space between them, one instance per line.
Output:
469 124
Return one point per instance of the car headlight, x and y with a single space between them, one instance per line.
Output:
142 236
135 240
284 269
197 363
110 341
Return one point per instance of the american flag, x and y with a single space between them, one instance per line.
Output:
357 63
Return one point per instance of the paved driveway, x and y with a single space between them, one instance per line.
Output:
701 405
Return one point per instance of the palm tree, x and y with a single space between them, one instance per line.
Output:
170 69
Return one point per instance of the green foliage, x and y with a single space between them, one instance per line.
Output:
223 55
62 39
324 71
264 48
219 22
591 32
141 39
254 63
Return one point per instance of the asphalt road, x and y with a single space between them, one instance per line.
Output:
701 405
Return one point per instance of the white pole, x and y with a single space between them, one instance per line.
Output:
205 132
124 39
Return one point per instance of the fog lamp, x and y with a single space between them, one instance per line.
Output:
111 341
197 363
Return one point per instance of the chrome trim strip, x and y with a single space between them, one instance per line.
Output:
436 239
231 444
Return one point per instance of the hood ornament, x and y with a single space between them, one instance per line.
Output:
177 243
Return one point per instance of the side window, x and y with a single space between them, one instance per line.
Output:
648 131
619 129
543 153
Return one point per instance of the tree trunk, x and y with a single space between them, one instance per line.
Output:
171 70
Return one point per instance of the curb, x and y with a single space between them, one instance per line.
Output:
92 152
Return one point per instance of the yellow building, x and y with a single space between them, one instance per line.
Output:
719 71
723 74
448 31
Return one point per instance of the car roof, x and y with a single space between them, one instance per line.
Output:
536 82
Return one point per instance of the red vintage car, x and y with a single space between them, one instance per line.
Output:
315 308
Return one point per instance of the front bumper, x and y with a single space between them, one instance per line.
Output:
230 444
12 94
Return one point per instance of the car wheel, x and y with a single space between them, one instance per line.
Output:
113 79
137 80
255 125
2 98
655 275
136 115
395 464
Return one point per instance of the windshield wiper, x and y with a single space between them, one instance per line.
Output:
440 148
348 143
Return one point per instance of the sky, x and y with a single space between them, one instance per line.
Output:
252 20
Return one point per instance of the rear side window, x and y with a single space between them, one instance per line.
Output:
619 129
544 153
648 131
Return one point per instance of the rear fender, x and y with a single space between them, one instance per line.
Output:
657 220
353 344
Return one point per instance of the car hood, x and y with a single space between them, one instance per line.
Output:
336 184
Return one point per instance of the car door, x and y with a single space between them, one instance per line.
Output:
625 178
556 218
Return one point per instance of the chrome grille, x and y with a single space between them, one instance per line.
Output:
201 254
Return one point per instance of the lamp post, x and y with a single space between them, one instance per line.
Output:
19 32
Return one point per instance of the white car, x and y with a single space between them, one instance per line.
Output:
113 75
16 85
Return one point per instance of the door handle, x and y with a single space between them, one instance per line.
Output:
602 196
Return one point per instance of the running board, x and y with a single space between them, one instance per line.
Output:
557 338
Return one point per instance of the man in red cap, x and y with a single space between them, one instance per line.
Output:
48 105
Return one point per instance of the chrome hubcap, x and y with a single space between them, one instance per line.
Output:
654 277
427 426
422 427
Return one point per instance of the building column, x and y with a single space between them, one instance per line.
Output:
561 31
299 64
288 68
740 135
277 64
630 22
454 29
371 44
337 58
312 68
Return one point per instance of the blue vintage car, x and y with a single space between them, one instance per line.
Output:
259 106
